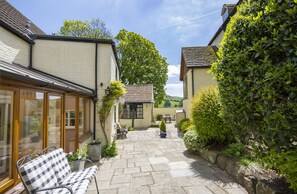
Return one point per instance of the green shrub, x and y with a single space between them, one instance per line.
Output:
159 117
185 125
192 141
285 162
162 125
257 72
181 122
111 149
206 109
235 150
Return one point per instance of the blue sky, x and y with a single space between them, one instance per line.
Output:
169 24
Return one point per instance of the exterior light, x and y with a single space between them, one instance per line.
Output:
107 91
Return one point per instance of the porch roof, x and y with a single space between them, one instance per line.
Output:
21 73
139 93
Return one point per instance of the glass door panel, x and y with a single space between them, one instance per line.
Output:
70 125
6 118
31 122
54 122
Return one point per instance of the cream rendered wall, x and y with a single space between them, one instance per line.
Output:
107 68
73 61
163 111
13 49
141 123
218 40
187 101
202 79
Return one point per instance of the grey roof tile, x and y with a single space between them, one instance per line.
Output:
16 20
200 56
139 93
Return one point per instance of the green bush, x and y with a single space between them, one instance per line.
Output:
257 72
285 162
192 141
162 125
206 109
111 150
181 123
159 117
185 125
235 150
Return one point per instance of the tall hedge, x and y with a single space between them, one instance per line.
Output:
257 72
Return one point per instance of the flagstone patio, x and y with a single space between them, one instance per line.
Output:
148 164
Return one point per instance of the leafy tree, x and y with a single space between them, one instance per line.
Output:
167 103
95 28
141 63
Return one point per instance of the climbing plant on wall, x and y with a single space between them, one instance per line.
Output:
117 89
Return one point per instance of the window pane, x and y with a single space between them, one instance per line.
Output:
55 117
70 123
84 116
31 122
6 112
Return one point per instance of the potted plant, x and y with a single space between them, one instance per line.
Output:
77 159
94 150
162 127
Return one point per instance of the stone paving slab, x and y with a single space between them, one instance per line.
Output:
148 164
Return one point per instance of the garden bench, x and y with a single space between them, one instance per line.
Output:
121 131
49 172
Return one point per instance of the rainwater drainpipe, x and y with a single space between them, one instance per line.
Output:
96 90
30 56
192 82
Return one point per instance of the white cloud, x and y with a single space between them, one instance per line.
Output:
174 89
173 70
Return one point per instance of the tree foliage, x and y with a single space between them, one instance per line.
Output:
96 28
141 63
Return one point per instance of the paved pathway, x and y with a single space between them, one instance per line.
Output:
147 164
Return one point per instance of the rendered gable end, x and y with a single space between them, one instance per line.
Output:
13 49
73 61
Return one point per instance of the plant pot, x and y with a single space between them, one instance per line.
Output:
163 134
77 165
94 152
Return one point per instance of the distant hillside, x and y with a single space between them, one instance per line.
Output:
171 102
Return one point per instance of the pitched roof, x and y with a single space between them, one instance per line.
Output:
224 25
16 21
200 56
139 93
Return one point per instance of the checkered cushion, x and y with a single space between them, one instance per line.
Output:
38 174
87 173
79 187
60 164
